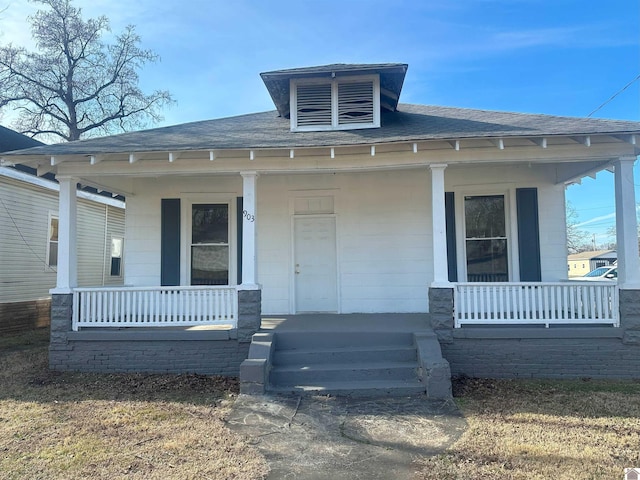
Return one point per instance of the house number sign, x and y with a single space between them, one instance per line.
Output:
248 216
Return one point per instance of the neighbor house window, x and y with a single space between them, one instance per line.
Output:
116 256
335 104
210 244
52 242
485 238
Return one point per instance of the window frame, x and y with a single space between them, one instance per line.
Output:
186 234
47 266
121 257
511 229
334 82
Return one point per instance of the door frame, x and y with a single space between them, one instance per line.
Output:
292 275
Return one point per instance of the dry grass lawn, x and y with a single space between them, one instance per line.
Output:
532 430
72 425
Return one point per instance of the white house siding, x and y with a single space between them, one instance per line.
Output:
24 219
142 222
24 224
478 180
383 234
97 223
115 228
142 238
91 232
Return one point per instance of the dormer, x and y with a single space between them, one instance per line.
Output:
335 97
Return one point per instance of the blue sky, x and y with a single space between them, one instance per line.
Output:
561 57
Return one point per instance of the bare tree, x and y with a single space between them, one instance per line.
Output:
577 240
612 233
75 85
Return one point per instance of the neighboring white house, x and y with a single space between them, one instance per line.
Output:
29 216
342 200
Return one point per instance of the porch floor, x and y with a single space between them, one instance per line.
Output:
351 322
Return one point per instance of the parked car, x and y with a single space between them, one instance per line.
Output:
601 273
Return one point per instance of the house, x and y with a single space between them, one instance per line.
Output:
580 264
358 228
29 240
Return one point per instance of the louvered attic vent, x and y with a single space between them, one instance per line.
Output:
355 103
337 104
314 105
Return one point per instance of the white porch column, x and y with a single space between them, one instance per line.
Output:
249 244
439 227
67 269
626 225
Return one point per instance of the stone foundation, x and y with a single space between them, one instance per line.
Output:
249 313
630 316
152 350
596 352
202 352
441 313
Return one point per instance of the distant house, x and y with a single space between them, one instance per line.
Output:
29 215
344 212
582 263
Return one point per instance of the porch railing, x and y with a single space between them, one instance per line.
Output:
154 306
536 303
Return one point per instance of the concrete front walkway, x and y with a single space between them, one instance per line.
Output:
323 437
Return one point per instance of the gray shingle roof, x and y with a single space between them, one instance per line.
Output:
410 123
391 80
12 140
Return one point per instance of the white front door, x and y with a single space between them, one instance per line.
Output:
315 274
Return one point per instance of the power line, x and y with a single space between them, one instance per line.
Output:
616 94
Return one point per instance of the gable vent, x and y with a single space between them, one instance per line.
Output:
355 103
314 105
344 103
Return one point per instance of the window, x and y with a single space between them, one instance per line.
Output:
116 256
52 242
486 239
210 244
338 104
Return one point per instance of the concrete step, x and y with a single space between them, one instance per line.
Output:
310 356
354 372
339 339
369 388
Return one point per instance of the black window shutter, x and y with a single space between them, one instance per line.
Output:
170 242
240 216
450 215
528 234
